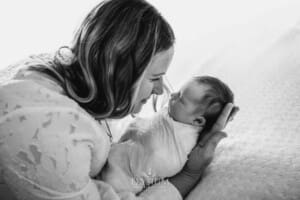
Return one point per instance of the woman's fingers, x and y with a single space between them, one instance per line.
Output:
212 137
220 123
211 145
215 139
233 112
223 118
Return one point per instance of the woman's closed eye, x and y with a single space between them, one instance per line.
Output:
155 79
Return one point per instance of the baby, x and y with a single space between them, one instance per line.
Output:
158 147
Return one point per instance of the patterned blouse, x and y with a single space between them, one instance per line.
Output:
50 148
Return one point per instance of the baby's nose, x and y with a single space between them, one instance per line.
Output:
174 95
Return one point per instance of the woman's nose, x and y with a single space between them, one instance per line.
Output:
158 88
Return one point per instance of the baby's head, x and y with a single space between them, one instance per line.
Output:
200 101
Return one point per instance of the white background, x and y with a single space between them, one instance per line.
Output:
253 45
205 30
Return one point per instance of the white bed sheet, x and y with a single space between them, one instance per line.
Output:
260 159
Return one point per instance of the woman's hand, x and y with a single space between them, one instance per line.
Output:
227 115
202 154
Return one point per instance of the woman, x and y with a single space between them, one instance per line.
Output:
51 141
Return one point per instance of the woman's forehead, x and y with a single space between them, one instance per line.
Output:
160 63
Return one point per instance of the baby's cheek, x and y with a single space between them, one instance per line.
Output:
187 113
179 113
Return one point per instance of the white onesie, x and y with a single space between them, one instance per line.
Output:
150 150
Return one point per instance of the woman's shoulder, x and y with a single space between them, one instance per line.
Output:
29 96
38 96
17 68
30 93
28 88
20 85
34 114
34 105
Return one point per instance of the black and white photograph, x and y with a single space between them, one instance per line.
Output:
150 100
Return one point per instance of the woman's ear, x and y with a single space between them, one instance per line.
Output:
199 121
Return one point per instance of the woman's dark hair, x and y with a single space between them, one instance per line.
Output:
215 99
112 48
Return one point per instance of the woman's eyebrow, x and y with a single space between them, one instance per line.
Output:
159 74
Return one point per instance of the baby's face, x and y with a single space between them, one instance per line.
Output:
185 105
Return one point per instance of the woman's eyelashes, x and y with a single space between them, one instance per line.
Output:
155 79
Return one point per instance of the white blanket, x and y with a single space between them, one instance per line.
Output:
150 150
260 160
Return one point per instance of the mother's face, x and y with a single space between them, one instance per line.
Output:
152 82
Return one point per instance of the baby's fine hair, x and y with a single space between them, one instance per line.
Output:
215 99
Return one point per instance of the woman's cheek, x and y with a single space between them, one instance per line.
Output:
148 89
145 90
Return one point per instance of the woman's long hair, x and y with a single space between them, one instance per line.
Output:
112 48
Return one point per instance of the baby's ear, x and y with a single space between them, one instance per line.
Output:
199 121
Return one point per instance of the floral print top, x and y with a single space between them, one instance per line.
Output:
50 148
